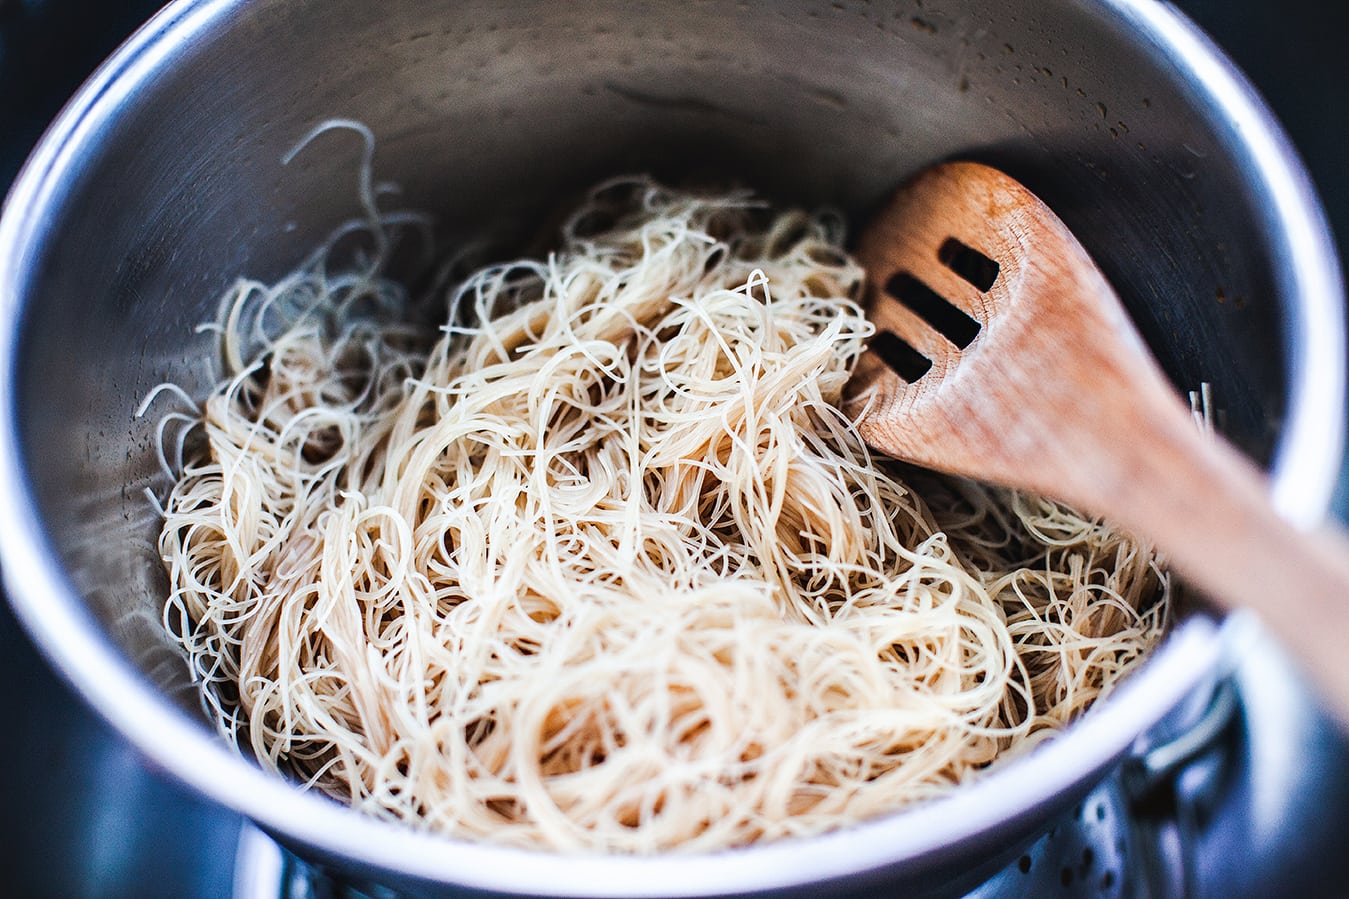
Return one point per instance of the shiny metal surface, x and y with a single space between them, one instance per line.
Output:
162 182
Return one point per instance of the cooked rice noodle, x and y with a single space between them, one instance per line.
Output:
606 568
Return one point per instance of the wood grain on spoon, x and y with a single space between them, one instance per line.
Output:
1040 381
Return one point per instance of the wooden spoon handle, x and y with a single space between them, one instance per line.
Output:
1209 510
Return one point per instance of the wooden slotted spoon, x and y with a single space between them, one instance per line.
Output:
1035 378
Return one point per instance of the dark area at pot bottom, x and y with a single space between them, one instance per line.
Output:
1256 802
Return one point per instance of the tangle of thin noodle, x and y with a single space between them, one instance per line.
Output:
605 568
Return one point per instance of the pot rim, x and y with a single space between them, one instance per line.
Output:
1304 472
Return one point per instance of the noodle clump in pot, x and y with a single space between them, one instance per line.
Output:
604 567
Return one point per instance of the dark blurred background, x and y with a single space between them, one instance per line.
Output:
136 834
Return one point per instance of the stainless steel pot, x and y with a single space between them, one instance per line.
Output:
162 181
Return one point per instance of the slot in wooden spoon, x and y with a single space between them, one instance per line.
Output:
1038 380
